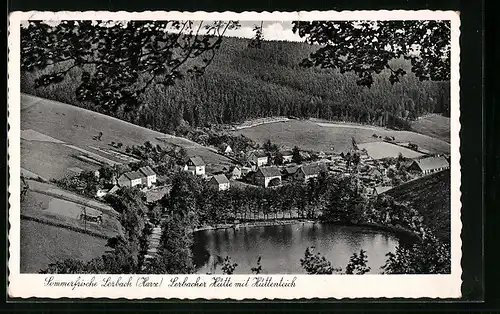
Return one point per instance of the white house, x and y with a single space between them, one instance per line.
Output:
101 192
196 166
225 148
150 176
220 182
268 176
130 179
429 165
234 173
307 172
287 156
258 158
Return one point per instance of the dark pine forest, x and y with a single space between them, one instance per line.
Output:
244 83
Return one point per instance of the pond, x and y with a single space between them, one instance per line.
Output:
281 247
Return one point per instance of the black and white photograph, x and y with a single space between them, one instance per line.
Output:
217 147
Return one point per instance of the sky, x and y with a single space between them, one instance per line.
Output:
272 30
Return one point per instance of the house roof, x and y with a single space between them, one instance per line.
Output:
220 178
147 171
374 171
133 175
287 153
114 189
197 161
269 172
382 189
432 163
310 169
258 153
291 170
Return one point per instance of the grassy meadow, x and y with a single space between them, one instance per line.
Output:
42 244
433 125
77 126
317 136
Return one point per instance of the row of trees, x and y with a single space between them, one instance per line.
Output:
189 205
242 83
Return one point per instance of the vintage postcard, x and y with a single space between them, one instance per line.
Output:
234 155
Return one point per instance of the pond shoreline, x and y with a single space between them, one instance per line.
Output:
272 222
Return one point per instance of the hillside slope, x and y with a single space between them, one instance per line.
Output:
71 127
431 196
245 83
434 125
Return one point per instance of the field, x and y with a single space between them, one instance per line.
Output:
51 160
52 190
433 125
379 150
431 196
49 127
43 244
64 214
318 136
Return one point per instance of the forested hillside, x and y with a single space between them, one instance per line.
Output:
244 83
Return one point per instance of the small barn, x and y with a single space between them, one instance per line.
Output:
220 182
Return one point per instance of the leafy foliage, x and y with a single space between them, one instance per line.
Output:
425 256
258 268
317 264
366 47
358 264
228 267
119 60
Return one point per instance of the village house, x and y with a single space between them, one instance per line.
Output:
429 165
101 192
196 166
149 176
378 190
288 172
131 179
234 173
258 158
287 156
245 170
114 189
220 182
267 176
225 148
307 172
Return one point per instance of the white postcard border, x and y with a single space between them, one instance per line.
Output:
305 286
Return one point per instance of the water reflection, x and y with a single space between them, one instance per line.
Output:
282 247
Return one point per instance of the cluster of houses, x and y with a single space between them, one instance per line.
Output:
144 177
372 175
